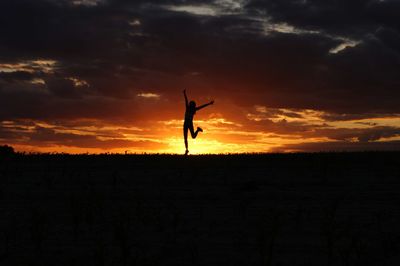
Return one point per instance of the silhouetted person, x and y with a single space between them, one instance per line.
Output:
188 124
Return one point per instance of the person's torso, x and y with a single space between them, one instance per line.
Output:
189 114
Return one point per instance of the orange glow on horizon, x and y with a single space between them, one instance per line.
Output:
263 130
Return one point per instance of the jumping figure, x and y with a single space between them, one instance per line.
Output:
188 124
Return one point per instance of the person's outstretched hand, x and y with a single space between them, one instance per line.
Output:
212 102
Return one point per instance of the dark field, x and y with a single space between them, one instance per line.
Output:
293 209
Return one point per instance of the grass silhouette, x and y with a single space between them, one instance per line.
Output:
241 209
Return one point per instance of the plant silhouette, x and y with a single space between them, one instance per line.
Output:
191 110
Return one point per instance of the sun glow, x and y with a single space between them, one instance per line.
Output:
259 130
208 146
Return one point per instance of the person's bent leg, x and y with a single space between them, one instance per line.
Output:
192 132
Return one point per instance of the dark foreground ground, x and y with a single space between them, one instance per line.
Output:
294 209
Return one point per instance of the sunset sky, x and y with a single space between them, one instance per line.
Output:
290 75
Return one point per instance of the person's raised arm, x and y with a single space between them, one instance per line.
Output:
204 105
186 100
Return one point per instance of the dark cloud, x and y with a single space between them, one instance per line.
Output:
16 76
231 52
48 137
62 87
356 116
350 18
360 134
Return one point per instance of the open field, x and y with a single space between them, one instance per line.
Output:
277 209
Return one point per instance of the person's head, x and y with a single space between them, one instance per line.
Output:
192 105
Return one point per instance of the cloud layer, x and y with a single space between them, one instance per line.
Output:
286 75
